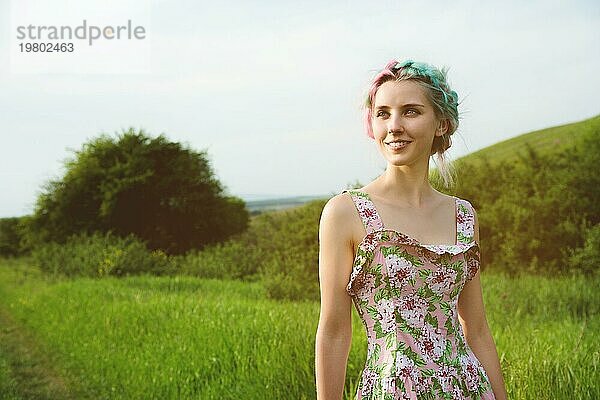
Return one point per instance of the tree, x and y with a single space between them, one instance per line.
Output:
10 237
163 192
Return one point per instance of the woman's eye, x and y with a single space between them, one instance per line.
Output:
383 113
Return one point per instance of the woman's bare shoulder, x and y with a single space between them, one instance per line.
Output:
340 217
339 207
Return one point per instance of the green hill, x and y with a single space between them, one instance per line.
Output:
548 140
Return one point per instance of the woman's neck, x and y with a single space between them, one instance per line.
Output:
404 185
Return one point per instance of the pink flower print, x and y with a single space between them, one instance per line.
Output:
473 267
473 262
461 217
370 242
358 280
405 367
407 395
445 374
423 384
388 384
369 379
400 270
365 290
386 315
470 371
413 309
370 350
431 343
457 393
369 213
441 280
363 206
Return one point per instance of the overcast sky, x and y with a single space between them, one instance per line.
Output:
272 89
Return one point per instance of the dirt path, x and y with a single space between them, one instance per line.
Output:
31 368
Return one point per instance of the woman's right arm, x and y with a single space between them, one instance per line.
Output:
334 333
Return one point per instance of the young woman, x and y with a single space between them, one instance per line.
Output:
408 257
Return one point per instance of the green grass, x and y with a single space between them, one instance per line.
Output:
184 337
548 140
27 370
8 385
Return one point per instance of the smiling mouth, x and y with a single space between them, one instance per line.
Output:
397 144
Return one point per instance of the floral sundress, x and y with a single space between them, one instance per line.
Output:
406 294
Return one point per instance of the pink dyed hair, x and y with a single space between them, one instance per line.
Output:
386 74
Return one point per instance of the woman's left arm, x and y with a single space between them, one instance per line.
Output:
471 314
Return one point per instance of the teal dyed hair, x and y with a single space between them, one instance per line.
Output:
442 97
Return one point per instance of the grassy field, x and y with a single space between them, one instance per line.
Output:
553 139
183 337
8 389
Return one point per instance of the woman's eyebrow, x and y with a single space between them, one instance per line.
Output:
405 105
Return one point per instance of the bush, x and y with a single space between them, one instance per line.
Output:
10 237
587 258
290 240
233 259
280 248
163 192
289 277
99 255
532 210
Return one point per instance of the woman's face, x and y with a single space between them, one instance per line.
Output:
402 108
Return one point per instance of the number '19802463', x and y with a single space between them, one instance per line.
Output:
46 47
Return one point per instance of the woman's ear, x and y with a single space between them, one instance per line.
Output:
442 127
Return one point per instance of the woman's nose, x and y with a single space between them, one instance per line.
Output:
395 123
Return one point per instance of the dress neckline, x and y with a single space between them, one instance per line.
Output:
410 238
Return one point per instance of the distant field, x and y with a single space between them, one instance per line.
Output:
188 338
260 206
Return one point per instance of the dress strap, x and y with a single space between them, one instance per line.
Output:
366 209
465 222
